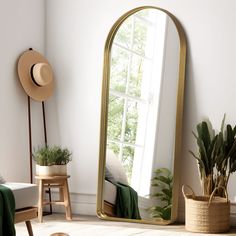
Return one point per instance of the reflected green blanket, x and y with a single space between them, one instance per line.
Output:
7 212
126 202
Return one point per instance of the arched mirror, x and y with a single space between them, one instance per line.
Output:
141 117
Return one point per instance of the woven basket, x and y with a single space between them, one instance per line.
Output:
206 214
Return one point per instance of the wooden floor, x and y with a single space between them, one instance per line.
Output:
92 226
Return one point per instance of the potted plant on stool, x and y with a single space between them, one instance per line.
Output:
61 158
44 161
51 161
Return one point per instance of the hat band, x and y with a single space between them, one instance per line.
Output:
32 76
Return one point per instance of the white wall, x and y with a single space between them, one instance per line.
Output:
22 25
76 32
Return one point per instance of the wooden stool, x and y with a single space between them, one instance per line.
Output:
54 182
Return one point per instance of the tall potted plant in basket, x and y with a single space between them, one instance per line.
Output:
216 158
216 155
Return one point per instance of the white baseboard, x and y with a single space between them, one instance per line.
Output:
85 204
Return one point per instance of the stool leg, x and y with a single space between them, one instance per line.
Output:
40 201
61 194
67 200
29 228
50 199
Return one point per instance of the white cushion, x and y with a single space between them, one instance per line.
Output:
26 195
110 192
115 167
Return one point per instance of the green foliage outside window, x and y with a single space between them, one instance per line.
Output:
115 114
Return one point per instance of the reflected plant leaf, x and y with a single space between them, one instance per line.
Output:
163 183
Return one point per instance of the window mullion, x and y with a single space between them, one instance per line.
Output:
132 51
131 98
122 138
130 58
125 143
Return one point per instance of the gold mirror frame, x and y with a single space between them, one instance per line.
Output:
104 113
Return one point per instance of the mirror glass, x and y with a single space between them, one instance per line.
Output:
138 137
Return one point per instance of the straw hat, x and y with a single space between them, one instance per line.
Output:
36 75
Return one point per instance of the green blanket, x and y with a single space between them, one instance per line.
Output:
126 202
7 212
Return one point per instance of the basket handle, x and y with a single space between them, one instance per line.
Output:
213 193
183 191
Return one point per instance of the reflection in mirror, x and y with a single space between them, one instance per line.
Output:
138 138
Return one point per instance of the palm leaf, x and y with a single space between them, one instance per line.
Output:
164 179
223 124
167 192
203 153
203 133
200 163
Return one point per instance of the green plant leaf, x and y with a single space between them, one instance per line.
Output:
154 184
166 214
55 155
233 167
230 135
167 192
232 150
201 164
159 194
164 179
223 124
212 151
203 153
204 134
234 130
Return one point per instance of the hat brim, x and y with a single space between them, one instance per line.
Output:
25 63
